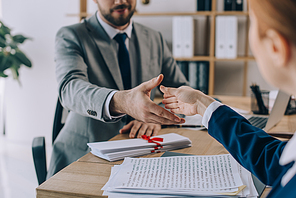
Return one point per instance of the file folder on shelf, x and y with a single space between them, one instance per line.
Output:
199 75
231 36
183 36
200 5
220 44
183 65
203 77
204 5
233 5
239 5
177 37
208 5
193 74
228 5
188 36
226 37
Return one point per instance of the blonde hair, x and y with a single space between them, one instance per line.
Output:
276 14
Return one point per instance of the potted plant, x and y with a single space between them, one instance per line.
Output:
11 57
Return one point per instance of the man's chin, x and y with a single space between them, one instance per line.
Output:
120 20
120 17
121 23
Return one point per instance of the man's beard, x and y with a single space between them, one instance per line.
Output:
121 20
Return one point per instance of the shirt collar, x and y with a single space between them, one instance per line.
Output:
111 31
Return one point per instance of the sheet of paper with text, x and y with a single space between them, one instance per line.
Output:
217 173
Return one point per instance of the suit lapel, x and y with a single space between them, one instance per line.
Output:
105 47
144 51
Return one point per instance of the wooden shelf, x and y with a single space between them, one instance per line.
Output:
202 13
195 58
211 15
236 59
208 58
82 14
231 13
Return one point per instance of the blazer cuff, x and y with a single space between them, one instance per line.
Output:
209 111
106 113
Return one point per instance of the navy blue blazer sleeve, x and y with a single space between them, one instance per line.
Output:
253 148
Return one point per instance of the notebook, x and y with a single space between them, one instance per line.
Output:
276 114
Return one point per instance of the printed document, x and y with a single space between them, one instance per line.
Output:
182 175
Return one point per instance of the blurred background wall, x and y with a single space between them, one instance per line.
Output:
29 107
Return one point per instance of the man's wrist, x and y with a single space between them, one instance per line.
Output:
106 113
117 103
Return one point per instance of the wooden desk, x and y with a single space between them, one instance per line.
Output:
86 177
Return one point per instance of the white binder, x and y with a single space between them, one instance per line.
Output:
188 36
183 36
226 37
177 37
231 36
220 36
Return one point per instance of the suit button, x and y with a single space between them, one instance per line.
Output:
92 113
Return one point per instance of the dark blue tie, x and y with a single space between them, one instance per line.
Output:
123 60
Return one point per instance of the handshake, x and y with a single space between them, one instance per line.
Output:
182 100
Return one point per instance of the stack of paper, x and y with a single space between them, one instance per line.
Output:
180 176
117 150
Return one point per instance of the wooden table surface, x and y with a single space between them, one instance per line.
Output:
86 176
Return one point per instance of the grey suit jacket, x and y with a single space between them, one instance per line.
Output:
87 71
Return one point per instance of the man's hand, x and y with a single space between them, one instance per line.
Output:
136 103
140 128
185 100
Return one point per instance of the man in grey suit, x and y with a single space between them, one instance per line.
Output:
94 89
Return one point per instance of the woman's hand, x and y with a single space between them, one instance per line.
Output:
138 128
185 100
136 102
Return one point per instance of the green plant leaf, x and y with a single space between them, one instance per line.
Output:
14 70
19 38
22 58
3 75
2 42
3 60
4 29
10 55
5 63
13 45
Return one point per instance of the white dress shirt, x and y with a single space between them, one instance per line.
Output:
112 32
288 156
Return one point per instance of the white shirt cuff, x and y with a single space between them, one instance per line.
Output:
209 111
106 113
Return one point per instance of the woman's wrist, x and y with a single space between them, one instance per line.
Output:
203 102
